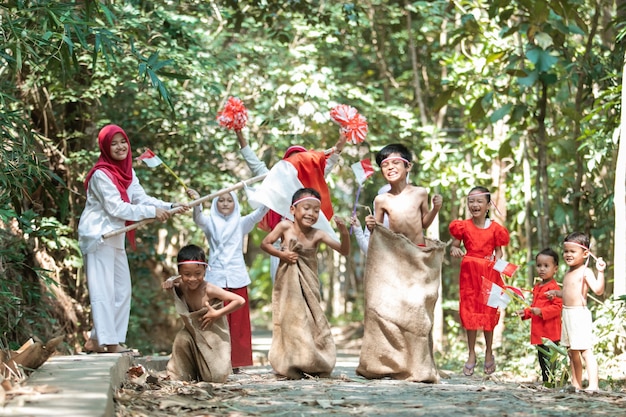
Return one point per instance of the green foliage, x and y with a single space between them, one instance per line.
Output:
558 372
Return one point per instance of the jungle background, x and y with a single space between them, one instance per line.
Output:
521 96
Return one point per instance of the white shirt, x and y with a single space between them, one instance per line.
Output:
105 211
227 267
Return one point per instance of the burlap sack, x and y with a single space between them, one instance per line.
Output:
301 340
401 288
200 355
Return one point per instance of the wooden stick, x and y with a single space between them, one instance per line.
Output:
196 202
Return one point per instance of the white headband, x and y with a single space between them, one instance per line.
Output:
193 262
582 246
391 158
308 197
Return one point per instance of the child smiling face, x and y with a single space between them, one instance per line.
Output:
192 274
478 204
306 211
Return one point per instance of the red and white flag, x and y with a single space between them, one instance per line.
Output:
150 159
517 292
494 295
505 268
299 170
363 170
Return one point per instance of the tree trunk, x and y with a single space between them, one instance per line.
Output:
417 84
581 88
541 140
528 209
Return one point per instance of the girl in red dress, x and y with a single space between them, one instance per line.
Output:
483 240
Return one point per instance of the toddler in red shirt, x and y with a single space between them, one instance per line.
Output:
544 313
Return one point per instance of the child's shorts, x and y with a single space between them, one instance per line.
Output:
577 329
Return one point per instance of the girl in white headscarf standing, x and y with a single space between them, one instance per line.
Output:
225 229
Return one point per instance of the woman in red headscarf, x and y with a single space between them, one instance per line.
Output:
114 199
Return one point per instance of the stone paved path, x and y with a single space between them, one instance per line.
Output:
258 392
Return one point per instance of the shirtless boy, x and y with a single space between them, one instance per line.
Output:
201 350
405 205
305 209
297 315
576 332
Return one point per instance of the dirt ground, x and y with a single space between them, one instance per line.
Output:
257 391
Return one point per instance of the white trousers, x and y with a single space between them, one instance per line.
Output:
108 280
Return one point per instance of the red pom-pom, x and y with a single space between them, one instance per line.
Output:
342 114
356 129
234 116
353 125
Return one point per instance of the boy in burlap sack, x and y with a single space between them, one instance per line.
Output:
201 350
302 343
404 266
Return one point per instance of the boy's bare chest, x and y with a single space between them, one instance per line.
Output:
306 238
195 300
400 207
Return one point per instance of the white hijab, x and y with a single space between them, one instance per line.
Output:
226 238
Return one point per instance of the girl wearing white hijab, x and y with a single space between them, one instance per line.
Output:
224 229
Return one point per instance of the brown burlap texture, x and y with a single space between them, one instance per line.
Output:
301 339
200 355
401 289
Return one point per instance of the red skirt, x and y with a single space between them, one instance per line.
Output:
240 332
475 313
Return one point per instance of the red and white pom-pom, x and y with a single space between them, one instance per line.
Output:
353 125
234 116
342 114
356 129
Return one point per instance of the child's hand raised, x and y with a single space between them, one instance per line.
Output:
170 282
341 225
600 264
437 201
354 221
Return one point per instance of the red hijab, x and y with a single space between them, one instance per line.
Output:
119 172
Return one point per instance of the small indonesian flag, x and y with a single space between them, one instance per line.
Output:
363 170
150 158
517 292
505 268
494 295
